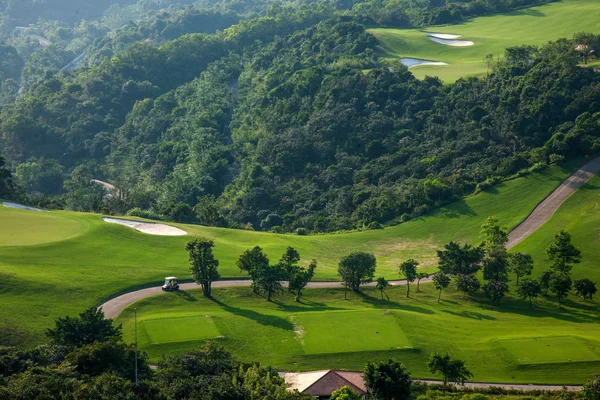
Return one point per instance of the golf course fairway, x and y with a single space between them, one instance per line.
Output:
490 35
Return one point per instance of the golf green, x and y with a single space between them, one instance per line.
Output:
554 349
344 332
169 330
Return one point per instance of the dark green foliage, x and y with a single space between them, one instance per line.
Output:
6 182
299 277
467 284
382 284
409 269
591 389
520 264
270 278
419 276
529 289
585 288
563 253
253 262
388 380
544 280
560 284
451 370
203 264
441 281
460 260
345 393
357 268
495 290
89 327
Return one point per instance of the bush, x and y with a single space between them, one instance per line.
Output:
277 229
375 225
138 212
301 232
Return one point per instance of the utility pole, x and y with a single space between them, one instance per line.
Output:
136 344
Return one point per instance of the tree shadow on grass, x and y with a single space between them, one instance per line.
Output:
263 319
392 305
470 314
182 294
305 305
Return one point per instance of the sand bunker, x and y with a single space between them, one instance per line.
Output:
448 42
20 206
148 227
442 35
415 62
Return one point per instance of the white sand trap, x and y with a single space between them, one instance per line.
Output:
455 43
442 35
20 206
415 62
148 227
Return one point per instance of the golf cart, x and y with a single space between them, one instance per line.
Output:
170 284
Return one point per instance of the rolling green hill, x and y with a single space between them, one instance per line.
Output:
68 273
491 34
510 342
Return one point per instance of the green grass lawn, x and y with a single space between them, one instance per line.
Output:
491 34
507 343
60 268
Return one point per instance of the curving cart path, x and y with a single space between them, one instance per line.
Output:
537 218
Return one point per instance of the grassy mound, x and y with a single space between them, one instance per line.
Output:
507 343
491 34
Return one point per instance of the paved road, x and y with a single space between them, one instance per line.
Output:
546 208
537 218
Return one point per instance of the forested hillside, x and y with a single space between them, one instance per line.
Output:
275 117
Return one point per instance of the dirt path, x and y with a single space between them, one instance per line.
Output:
550 204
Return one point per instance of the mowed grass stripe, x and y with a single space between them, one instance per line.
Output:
554 349
168 330
344 332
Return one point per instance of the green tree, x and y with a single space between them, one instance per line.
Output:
89 327
203 264
421 275
529 289
560 285
253 262
206 211
520 264
345 393
6 183
289 260
563 253
300 277
441 281
357 268
388 380
467 284
591 389
269 280
409 269
585 288
382 284
460 260
544 280
451 370
495 290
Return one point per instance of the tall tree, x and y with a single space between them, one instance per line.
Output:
269 280
357 268
467 284
544 280
529 289
563 253
560 285
441 281
421 275
456 259
382 284
451 370
495 259
520 264
89 327
253 262
388 380
203 264
409 269
290 259
300 277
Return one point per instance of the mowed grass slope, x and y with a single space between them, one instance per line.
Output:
507 343
491 34
67 274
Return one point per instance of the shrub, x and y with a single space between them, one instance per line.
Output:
301 232
375 225
138 212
